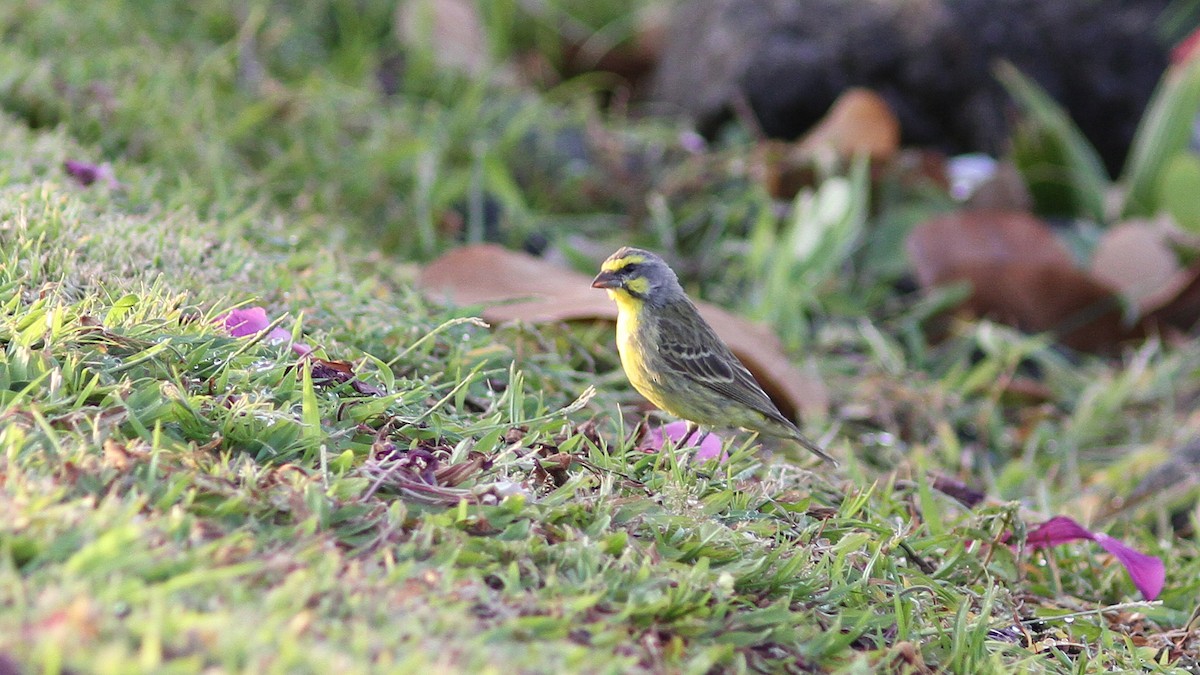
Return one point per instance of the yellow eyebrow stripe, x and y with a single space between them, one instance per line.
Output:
620 263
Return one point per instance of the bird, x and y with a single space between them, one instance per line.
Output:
676 360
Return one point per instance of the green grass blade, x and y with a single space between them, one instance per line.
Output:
1082 171
1164 132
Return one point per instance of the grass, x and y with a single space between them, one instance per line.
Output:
174 499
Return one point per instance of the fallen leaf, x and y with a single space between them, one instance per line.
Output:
513 286
456 474
1020 274
965 494
1178 306
519 287
1005 189
1134 258
859 121
965 237
1026 391
325 372
1079 311
116 455
419 463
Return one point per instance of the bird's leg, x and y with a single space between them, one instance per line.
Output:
688 431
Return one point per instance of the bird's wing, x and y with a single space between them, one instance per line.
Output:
695 351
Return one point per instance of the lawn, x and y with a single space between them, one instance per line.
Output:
424 492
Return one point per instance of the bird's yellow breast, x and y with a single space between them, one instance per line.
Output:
628 320
631 345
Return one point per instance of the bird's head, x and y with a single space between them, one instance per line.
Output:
636 274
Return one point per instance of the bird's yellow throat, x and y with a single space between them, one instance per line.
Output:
628 307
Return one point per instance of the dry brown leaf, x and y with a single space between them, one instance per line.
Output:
516 286
859 121
1173 302
1081 312
1027 391
1179 305
116 456
1020 274
1134 258
963 238
1004 190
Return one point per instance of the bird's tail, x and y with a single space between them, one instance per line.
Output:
813 448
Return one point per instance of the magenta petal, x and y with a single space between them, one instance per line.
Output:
86 173
710 448
1147 572
1057 530
245 321
83 172
707 449
254 320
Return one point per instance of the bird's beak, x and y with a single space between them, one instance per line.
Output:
606 280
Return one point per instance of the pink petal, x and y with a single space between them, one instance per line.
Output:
1188 48
254 320
1057 530
1146 571
706 449
86 173
83 172
245 321
279 335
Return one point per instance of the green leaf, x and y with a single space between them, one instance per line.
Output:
1055 152
120 308
1164 132
1179 190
